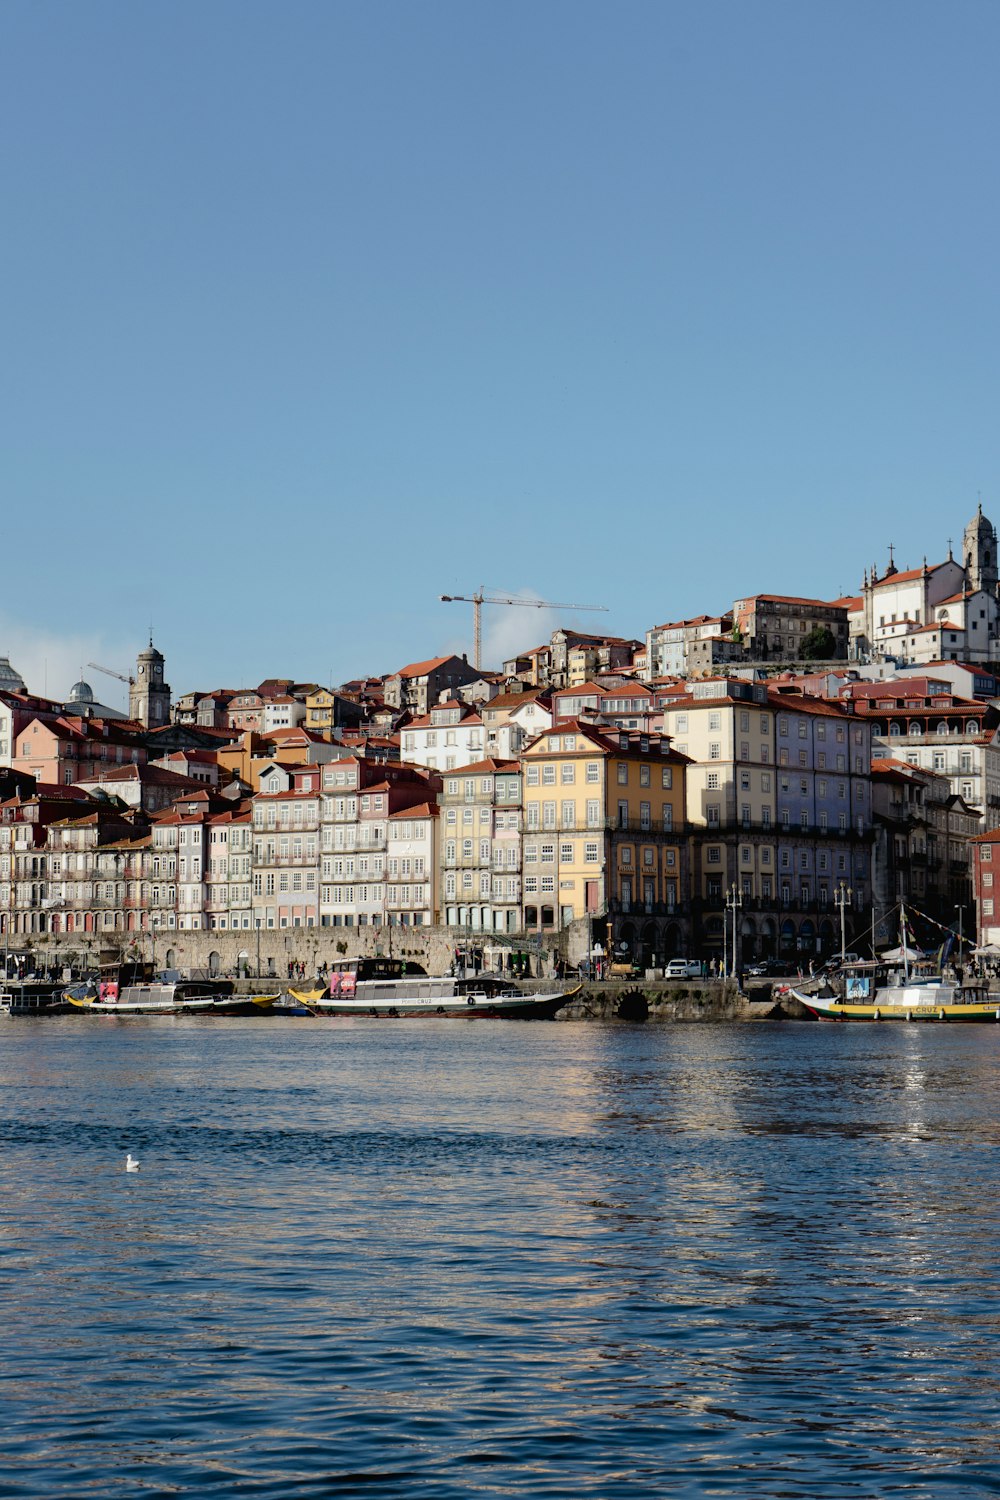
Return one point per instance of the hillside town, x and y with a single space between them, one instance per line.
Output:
769 780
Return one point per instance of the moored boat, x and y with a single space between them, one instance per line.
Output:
173 998
940 1000
394 988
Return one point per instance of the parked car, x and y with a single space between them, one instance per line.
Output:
682 968
771 968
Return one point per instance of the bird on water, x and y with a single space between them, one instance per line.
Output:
131 1165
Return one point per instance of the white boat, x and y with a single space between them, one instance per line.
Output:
392 987
172 998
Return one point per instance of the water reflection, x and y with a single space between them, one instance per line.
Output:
501 1259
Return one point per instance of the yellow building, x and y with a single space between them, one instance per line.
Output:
320 709
604 839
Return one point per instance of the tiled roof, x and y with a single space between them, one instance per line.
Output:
422 668
910 576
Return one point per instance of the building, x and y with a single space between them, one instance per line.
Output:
359 798
958 737
923 843
779 627
604 838
898 606
986 884
421 684
149 695
286 820
779 809
668 646
480 869
451 734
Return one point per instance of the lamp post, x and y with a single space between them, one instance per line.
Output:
154 924
257 925
961 914
734 900
841 897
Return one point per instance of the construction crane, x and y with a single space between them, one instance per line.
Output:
109 673
478 599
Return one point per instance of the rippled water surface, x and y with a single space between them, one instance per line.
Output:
449 1260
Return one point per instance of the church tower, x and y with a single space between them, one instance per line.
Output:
149 695
979 553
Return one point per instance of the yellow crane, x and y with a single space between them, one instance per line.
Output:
478 599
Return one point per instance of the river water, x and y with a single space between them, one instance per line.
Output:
501 1258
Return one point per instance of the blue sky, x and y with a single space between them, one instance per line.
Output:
314 312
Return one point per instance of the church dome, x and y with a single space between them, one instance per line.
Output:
11 680
81 692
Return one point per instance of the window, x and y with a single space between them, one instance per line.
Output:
712 781
622 774
567 773
714 750
714 855
591 855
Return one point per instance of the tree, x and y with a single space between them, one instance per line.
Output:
818 645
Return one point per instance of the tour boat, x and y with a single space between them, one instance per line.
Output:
913 1000
394 987
173 998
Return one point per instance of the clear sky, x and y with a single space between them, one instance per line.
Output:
313 312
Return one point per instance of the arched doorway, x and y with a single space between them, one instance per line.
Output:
768 938
807 941
672 941
214 964
649 948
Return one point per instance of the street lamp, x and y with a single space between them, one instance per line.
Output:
154 924
257 925
842 897
961 914
734 900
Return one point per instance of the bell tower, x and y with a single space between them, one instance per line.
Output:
979 553
149 695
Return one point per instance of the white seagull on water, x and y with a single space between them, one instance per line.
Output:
131 1165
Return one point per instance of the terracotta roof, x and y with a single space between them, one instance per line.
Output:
420 810
788 599
422 668
484 768
909 576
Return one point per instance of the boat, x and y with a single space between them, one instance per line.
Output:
32 1000
396 987
917 992
165 997
906 1000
